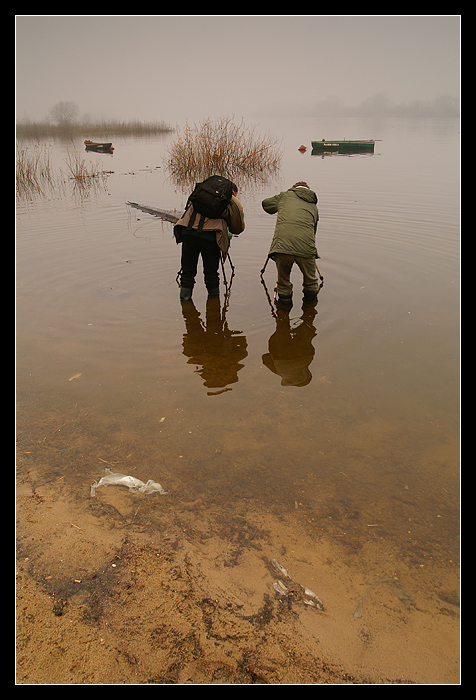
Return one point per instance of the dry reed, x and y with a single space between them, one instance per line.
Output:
225 148
35 175
103 129
79 169
86 175
34 171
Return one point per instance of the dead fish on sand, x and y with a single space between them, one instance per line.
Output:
280 569
288 587
134 485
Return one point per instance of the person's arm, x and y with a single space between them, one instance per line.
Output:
236 217
270 205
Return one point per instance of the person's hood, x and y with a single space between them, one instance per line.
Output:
306 194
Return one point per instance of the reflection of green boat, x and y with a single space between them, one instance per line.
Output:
361 146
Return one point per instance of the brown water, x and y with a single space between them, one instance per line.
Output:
357 428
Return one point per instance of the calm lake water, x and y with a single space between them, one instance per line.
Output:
349 410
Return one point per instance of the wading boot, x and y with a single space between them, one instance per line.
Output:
284 301
309 299
185 294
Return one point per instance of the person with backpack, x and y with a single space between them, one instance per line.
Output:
294 240
212 211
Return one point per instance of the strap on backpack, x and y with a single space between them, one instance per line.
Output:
192 221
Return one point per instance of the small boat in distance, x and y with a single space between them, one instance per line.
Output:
343 146
99 147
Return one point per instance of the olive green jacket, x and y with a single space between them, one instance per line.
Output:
296 223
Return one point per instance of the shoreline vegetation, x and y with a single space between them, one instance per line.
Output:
27 129
222 147
35 174
34 170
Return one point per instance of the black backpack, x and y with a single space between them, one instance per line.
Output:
210 199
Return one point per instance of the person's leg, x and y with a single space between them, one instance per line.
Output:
189 262
284 264
211 261
310 280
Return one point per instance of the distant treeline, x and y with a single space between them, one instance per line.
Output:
34 130
381 106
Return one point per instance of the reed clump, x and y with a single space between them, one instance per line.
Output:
34 171
37 130
35 174
79 169
222 147
86 175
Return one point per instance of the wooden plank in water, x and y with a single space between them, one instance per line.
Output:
169 216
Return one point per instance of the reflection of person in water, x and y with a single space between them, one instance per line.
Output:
212 346
290 349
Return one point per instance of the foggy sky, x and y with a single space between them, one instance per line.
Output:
177 68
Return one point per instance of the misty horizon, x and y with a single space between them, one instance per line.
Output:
380 105
177 68
374 106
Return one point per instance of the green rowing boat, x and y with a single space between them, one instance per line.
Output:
342 146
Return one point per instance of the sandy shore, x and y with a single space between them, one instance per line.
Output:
131 589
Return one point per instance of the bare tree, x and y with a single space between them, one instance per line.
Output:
64 112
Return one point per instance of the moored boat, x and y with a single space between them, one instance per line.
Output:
343 146
102 147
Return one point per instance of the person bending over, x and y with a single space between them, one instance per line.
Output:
210 242
294 240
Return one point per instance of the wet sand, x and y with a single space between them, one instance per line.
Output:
349 480
127 588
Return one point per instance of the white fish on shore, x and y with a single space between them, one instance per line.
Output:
310 598
131 482
280 588
305 595
279 568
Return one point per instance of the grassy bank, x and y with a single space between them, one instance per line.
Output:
103 129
